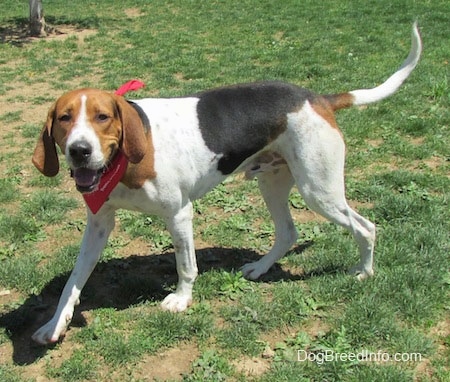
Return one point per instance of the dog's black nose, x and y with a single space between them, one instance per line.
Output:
80 152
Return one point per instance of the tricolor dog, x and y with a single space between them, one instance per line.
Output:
177 149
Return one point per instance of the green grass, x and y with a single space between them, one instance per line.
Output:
396 173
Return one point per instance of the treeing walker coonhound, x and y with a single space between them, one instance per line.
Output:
180 148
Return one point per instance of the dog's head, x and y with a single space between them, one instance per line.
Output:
89 126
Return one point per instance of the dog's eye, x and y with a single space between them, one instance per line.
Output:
102 117
65 118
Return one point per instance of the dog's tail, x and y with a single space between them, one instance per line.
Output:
387 88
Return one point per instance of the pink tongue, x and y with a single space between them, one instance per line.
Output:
84 177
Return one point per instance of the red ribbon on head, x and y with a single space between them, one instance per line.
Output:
129 86
116 169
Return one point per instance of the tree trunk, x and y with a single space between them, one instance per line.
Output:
37 22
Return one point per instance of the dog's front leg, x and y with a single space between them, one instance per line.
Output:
180 228
94 240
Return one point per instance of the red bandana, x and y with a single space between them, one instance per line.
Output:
115 171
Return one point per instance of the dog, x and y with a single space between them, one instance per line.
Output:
177 149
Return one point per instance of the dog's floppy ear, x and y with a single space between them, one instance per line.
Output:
134 140
45 157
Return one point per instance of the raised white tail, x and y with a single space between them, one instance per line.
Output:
390 86
387 88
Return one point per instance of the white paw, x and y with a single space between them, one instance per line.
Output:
360 272
51 331
176 302
252 271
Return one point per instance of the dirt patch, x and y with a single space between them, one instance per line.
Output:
17 33
8 297
306 216
375 142
417 141
133 13
67 31
251 367
20 98
433 163
168 365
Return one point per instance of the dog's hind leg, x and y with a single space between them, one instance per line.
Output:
317 164
275 187
362 230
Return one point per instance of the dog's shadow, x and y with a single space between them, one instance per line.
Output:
120 283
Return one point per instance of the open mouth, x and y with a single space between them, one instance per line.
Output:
86 179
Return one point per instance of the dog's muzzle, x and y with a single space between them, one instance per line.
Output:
86 178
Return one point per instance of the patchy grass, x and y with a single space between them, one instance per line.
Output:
397 176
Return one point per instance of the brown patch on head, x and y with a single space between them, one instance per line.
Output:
101 114
116 124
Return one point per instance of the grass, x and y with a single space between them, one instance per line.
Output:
396 175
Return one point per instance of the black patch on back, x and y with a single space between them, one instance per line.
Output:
238 121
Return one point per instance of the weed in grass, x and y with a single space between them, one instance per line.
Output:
270 310
228 285
296 201
210 366
310 232
8 251
335 342
79 367
234 284
207 285
288 350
